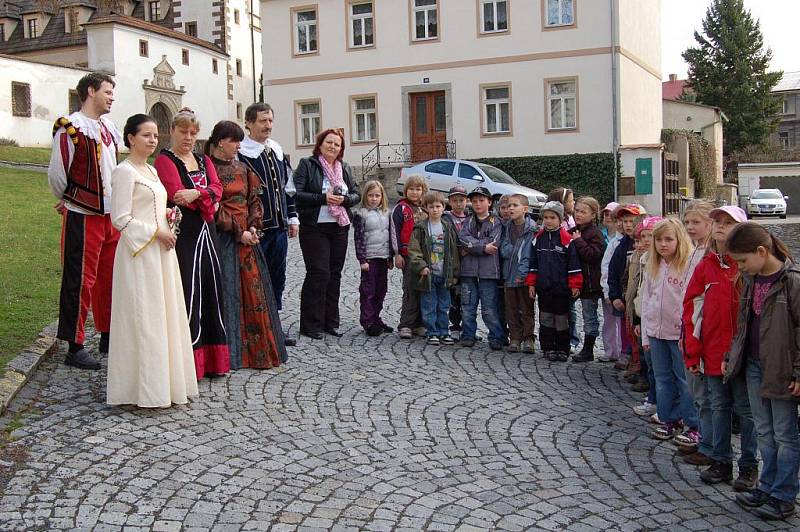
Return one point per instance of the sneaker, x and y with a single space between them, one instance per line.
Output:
420 331
514 347
406 333
621 365
690 438
447 340
374 330
467 342
606 358
386 328
654 420
641 386
496 346
775 509
433 340
717 472
667 431
81 359
528 346
747 479
644 409
697 459
752 499
563 356
550 355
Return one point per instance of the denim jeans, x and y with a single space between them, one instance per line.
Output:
701 395
475 290
778 440
434 306
729 398
275 245
591 322
652 397
574 339
674 400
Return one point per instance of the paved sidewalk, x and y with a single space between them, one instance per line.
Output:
360 434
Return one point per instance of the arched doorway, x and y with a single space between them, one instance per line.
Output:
163 119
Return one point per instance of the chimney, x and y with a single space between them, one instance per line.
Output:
673 78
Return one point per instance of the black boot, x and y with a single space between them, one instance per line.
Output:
104 337
587 353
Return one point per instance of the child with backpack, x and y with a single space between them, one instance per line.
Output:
765 349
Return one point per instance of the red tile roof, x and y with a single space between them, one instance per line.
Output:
671 90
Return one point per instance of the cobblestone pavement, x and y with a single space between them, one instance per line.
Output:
358 434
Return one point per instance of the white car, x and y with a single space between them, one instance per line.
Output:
443 174
767 202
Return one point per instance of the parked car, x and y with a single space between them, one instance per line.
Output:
767 202
443 174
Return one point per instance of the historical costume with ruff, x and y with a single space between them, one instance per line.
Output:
197 256
277 197
255 337
150 360
84 156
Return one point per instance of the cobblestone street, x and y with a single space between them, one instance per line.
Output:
355 434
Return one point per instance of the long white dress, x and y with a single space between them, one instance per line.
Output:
150 356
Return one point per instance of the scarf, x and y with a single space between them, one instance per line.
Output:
334 176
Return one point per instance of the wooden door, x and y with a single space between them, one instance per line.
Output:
428 126
671 204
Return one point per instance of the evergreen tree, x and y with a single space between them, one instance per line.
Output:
729 70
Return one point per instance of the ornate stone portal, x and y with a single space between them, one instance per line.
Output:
162 99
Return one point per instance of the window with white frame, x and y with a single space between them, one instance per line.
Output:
365 118
362 24
33 28
560 13
308 122
494 16
562 104
785 109
154 10
305 31
783 136
426 19
496 110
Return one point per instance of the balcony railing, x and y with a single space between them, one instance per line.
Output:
387 155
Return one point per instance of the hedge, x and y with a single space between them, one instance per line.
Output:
589 174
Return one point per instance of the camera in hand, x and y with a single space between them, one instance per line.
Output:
337 190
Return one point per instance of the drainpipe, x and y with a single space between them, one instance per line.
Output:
253 51
614 90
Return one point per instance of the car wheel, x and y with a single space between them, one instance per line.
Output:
783 216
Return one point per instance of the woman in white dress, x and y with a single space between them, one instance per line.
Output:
150 357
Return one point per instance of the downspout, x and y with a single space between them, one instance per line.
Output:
253 51
614 90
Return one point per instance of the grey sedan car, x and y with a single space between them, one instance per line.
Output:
443 174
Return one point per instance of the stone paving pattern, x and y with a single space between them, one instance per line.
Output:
355 434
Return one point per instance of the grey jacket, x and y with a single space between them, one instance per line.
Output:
474 237
516 257
778 338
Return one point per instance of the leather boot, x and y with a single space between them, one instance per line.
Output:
587 353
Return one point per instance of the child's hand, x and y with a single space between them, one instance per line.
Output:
576 234
619 305
532 292
646 348
425 271
490 248
724 367
576 292
794 387
365 267
694 369
399 262
637 331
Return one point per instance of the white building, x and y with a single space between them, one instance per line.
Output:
490 77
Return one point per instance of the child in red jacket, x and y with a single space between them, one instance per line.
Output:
709 319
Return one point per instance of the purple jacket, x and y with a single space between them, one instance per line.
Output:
474 236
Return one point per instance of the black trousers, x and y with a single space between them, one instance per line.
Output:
554 322
324 248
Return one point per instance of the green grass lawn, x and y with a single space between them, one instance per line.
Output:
30 269
25 155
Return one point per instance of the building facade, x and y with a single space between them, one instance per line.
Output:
788 92
483 78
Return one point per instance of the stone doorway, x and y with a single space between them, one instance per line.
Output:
163 119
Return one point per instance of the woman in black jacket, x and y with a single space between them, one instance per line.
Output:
589 243
325 194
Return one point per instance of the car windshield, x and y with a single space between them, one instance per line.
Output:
497 175
767 194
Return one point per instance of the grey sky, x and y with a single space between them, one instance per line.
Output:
779 24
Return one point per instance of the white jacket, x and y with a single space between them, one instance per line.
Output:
613 242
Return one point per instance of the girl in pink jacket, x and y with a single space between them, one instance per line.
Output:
663 289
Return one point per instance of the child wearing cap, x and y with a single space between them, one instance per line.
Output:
480 270
710 308
555 274
405 215
457 201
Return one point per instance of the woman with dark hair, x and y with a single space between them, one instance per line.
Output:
325 193
192 184
150 359
255 337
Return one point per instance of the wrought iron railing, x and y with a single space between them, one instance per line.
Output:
384 155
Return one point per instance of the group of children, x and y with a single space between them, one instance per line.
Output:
702 315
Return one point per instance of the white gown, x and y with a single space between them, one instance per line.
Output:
150 356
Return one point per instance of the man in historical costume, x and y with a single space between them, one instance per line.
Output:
83 158
266 158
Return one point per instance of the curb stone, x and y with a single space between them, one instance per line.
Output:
20 368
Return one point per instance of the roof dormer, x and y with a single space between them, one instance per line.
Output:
9 19
35 20
75 16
